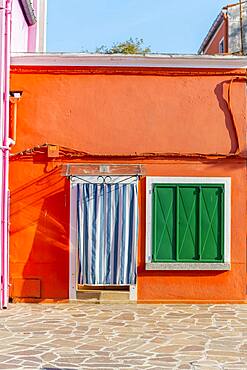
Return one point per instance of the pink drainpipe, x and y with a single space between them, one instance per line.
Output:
5 165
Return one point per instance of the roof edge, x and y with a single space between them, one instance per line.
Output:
232 5
215 26
28 12
120 60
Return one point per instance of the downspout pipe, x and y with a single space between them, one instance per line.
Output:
5 156
2 69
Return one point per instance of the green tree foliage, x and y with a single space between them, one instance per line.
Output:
131 46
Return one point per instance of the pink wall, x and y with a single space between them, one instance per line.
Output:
32 32
23 37
19 34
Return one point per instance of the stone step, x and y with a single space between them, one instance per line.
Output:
102 287
102 296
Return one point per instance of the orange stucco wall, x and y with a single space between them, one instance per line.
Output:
194 285
39 229
213 45
122 114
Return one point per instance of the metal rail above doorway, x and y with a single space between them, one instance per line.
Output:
101 169
103 180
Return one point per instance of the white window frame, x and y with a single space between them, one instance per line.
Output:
220 43
226 265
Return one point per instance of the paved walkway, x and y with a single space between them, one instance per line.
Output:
82 336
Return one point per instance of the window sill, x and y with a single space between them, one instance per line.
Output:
180 266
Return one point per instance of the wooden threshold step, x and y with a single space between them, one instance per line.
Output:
102 295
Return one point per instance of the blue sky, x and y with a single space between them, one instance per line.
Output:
166 26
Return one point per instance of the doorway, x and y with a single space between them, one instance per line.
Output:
104 227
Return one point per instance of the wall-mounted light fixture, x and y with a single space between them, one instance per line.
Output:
16 94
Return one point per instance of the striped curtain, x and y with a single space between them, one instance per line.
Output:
107 233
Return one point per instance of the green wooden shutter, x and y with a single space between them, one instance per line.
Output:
188 223
164 230
212 225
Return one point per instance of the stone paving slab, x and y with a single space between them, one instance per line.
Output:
123 336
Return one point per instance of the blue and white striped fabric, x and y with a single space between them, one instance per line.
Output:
107 233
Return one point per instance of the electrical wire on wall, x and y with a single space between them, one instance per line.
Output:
70 153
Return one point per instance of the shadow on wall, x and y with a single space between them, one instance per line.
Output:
39 237
223 104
